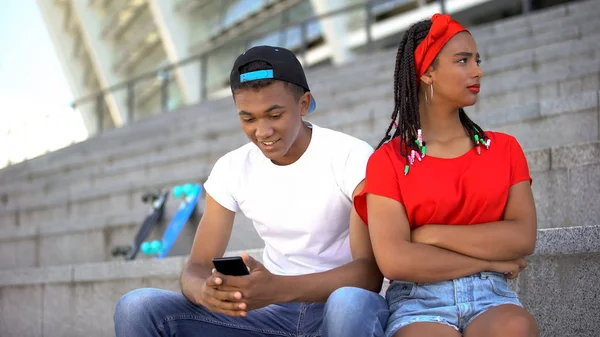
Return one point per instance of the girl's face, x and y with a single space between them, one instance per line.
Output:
455 74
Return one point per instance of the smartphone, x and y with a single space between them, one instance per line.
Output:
233 266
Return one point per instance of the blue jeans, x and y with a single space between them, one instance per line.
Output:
454 303
154 312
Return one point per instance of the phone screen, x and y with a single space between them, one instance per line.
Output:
232 266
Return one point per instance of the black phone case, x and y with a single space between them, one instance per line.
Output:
232 266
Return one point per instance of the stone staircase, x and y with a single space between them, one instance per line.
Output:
61 213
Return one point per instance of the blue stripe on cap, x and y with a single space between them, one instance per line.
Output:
313 105
256 75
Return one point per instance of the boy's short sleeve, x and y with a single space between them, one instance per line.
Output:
218 184
355 167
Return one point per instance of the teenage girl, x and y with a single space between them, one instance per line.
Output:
451 213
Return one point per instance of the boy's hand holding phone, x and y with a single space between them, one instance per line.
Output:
218 300
258 289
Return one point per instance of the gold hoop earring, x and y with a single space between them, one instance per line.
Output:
431 86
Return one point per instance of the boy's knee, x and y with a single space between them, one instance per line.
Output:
134 302
352 295
354 299
354 311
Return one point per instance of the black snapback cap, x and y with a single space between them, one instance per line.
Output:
285 67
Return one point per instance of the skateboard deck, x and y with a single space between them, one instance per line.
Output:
189 195
157 201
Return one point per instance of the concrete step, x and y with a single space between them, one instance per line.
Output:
535 125
566 183
375 64
560 78
526 59
559 287
523 32
50 237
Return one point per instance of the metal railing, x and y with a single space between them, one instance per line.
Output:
165 74
201 60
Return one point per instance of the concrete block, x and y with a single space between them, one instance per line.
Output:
548 90
60 316
583 7
17 233
576 155
114 199
482 32
538 160
18 253
589 27
508 99
572 19
552 71
31 217
552 14
565 241
509 61
508 81
516 25
98 319
549 191
508 115
72 248
32 276
551 131
561 293
133 175
577 102
133 217
505 46
114 270
9 221
580 69
562 34
21 309
584 189
575 86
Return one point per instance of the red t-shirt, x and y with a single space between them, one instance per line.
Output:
467 190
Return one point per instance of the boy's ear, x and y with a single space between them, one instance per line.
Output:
305 103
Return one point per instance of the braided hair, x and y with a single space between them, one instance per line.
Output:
406 121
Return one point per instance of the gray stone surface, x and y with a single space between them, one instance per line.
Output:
551 131
579 154
577 102
31 276
65 249
579 85
561 291
584 189
108 139
549 191
21 311
568 241
538 160
18 253
115 270
87 309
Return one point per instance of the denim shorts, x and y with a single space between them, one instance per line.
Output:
454 303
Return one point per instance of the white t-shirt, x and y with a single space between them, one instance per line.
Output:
301 210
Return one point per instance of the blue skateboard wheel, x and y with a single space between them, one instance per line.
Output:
146 248
178 191
188 189
155 246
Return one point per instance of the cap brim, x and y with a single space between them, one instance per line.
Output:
313 105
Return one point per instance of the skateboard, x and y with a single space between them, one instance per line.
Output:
157 206
189 195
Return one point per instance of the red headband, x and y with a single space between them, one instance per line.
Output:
443 28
